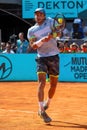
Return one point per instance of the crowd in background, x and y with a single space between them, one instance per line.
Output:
20 46
78 31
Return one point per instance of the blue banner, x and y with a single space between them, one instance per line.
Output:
18 67
22 67
70 8
73 67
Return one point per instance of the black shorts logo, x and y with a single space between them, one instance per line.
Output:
5 67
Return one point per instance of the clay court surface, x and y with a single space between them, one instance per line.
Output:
18 107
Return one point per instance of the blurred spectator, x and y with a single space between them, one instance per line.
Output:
60 47
8 48
85 33
77 31
74 48
66 34
66 47
22 44
63 47
13 39
2 47
84 48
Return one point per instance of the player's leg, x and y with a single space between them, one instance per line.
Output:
53 85
53 73
51 92
41 71
41 112
41 86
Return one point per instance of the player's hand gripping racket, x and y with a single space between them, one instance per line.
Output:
58 24
58 27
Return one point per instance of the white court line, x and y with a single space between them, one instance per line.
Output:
22 111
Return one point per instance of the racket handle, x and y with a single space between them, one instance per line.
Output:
54 35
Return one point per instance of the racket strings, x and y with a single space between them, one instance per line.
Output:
59 26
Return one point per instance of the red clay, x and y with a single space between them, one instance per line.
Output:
19 106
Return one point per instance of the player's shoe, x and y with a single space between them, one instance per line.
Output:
44 116
45 106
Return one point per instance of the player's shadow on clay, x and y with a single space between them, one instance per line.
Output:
68 125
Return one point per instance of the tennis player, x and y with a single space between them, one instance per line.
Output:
47 59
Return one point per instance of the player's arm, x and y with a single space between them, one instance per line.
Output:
36 44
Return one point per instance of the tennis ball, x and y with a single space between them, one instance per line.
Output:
60 20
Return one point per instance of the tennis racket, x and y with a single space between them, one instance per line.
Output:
58 24
58 27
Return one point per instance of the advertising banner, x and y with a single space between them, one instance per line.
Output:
70 8
18 67
73 67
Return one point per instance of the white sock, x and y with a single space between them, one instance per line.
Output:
41 108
